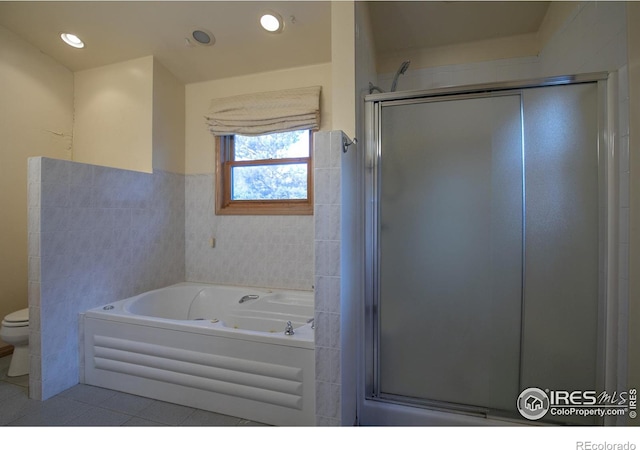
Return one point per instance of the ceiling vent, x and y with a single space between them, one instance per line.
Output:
202 37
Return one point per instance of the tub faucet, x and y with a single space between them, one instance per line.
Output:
288 329
248 297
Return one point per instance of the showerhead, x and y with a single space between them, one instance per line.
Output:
401 70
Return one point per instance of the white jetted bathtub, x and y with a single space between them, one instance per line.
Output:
218 348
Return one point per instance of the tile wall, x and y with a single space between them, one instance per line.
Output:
265 251
99 234
623 225
96 235
328 277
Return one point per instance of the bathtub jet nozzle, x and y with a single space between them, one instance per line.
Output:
288 329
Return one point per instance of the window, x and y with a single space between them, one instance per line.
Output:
266 174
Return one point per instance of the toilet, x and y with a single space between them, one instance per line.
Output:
15 331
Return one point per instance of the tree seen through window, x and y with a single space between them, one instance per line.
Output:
267 179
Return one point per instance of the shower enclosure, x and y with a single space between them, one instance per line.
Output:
487 246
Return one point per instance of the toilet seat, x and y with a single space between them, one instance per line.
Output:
17 319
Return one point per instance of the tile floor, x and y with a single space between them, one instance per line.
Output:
84 405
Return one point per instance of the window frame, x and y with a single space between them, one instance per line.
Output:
224 152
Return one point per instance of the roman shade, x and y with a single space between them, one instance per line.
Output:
265 112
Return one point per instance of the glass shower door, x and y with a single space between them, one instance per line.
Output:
563 242
450 232
488 248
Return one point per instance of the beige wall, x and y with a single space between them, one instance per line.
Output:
36 119
199 143
130 115
469 52
168 120
343 56
633 24
556 16
113 115
522 45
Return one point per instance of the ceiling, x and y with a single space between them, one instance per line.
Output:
116 31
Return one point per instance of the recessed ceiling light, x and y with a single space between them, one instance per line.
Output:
272 22
72 40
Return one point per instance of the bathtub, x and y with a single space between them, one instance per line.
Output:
212 347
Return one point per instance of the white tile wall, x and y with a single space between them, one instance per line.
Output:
328 272
623 230
96 235
265 251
